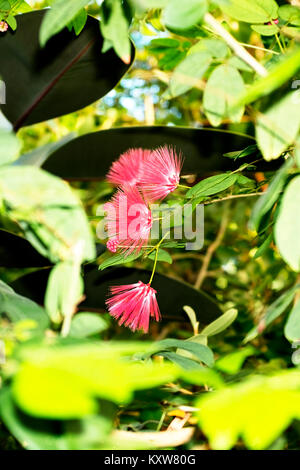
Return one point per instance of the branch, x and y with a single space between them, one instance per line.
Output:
239 50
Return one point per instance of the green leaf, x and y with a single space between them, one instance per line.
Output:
200 351
65 382
232 363
64 290
292 326
239 64
163 43
271 196
184 362
192 317
272 313
33 434
277 77
290 14
163 256
221 323
87 324
50 215
297 152
9 147
288 225
242 153
19 308
79 22
266 29
216 47
188 73
251 11
117 260
224 85
183 15
258 410
60 69
277 128
114 27
212 185
59 16
12 22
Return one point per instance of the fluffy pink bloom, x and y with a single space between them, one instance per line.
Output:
3 26
133 305
128 168
161 173
129 220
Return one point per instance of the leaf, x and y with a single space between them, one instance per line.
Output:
182 15
247 410
114 27
221 323
188 73
278 127
36 78
64 382
79 22
250 150
200 351
59 16
290 14
224 85
50 215
266 29
163 43
232 363
12 22
117 260
271 196
9 147
292 326
97 286
184 362
16 252
297 152
87 324
212 185
64 290
272 313
33 434
18 308
200 148
278 76
251 11
163 256
192 316
216 47
287 225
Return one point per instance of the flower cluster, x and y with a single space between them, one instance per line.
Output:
142 177
3 26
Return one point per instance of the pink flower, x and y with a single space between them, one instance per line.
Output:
161 173
273 21
3 26
129 220
128 168
133 305
112 244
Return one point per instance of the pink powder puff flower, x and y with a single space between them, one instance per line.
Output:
161 173
128 168
129 220
3 26
133 305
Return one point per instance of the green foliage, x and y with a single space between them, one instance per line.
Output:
183 15
10 147
251 11
212 185
225 84
286 228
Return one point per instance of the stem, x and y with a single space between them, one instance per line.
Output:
279 44
239 50
235 196
156 256
183 186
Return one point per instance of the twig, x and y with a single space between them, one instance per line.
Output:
213 248
234 196
239 50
